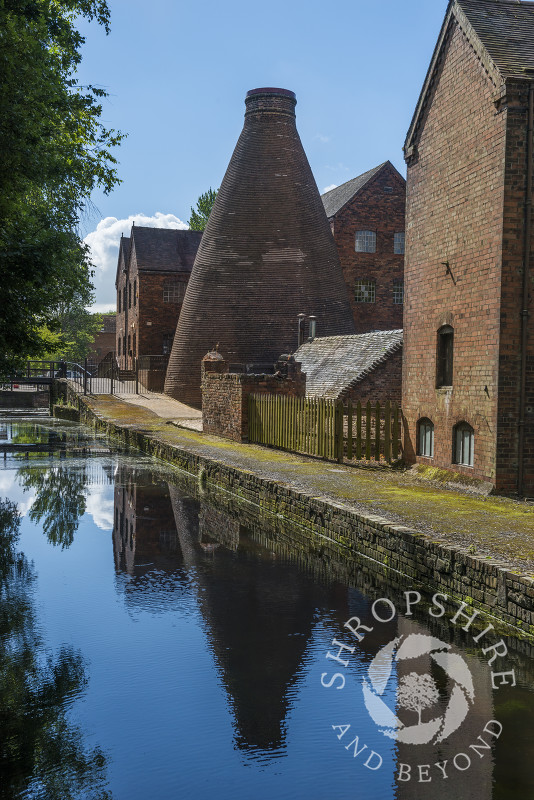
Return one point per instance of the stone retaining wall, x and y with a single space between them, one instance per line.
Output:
485 584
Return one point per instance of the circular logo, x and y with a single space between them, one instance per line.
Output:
417 692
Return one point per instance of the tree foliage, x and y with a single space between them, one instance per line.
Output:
55 151
199 216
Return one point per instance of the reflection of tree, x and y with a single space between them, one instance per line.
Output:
41 753
417 692
59 502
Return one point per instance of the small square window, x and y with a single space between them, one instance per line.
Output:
173 291
365 242
365 291
398 293
398 243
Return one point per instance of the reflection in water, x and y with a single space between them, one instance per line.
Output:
208 639
59 500
41 753
261 611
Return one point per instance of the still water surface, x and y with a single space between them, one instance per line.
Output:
158 643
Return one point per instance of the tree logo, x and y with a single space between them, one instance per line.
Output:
417 693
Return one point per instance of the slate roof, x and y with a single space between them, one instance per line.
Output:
506 29
165 249
335 199
334 364
501 33
124 255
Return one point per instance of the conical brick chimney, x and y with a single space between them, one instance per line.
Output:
267 254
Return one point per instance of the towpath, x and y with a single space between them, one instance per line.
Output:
489 526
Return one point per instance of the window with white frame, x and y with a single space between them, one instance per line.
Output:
173 291
463 444
365 291
398 293
365 242
425 438
398 243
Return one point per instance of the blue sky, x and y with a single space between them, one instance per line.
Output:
177 74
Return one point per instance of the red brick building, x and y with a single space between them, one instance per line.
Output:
468 372
153 269
104 342
366 215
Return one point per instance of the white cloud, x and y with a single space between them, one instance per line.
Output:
322 138
100 508
329 188
104 244
103 308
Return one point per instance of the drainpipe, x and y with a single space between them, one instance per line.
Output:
525 293
300 328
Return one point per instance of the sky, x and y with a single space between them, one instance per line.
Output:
177 74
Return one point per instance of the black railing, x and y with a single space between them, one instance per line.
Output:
94 377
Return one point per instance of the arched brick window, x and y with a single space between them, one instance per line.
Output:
444 356
463 444
425 437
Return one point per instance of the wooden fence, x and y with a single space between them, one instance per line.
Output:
326 428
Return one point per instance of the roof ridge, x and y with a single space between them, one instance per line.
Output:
341 185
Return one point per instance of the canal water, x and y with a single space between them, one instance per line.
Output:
159 639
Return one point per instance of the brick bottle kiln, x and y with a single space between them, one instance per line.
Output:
267 254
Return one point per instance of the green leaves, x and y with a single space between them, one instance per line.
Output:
55 151
199 218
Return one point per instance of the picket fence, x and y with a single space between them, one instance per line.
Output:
331 429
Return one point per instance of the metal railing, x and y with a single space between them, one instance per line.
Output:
93 377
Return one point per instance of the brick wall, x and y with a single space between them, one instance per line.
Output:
374 208
454 214
225 397
382 384
157 319
516 104
104 341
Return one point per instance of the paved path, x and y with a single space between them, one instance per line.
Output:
491 526
166 407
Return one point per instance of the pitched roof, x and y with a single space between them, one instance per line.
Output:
506 29
501 33
124 255
165 249
334 364
335 199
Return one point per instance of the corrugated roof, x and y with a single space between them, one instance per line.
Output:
335 199
506 29
334 364
165 249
